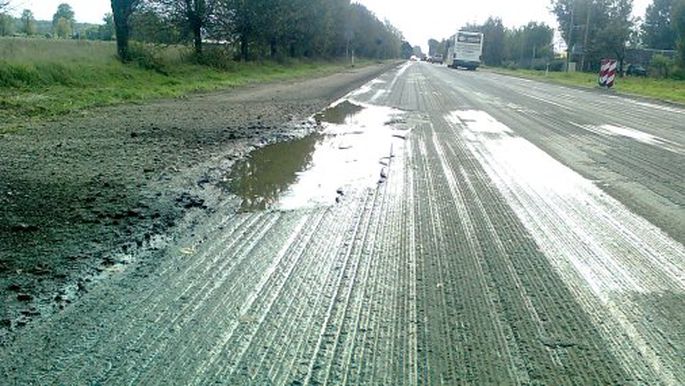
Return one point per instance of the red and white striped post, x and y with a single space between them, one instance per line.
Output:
607 73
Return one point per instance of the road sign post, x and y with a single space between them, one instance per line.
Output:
607 73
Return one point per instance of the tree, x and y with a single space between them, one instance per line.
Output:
6 24
65 12
594 28
616 33
493 41
6 21
28 22
407 50
192 15
678 22
121 13
63 28
153 26
656 29
433 47
106 30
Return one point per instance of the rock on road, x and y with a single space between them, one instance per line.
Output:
522 233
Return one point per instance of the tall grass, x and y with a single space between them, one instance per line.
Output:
42 78
665 89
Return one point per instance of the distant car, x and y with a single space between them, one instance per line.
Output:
636 70
414 58
436 59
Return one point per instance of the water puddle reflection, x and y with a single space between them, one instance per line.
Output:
348 154
267 172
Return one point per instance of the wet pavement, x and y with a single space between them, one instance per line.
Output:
440 227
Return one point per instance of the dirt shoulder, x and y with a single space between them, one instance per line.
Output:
84 195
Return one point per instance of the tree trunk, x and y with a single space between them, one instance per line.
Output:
273 48
121 10
197 38
244 50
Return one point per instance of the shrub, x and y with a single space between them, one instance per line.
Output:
661 66
148 57
216 57
557 65
511 65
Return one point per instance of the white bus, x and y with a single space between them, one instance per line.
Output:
466 50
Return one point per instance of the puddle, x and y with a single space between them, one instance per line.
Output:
261 178
350 153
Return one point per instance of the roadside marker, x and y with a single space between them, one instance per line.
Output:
607 73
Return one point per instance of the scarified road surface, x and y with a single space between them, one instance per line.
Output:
499 231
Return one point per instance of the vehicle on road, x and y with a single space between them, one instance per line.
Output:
436 59
466 51
636 70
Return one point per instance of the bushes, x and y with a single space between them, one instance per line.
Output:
148 57
216 57
662 67
18 75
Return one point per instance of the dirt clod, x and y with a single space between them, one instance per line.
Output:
23 297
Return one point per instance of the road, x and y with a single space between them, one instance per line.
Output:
445 227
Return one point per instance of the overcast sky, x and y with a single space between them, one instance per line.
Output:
419 20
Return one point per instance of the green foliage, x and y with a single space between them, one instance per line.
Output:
664 89
678 22
149 26
407 50
64 11
511 47
597 29
63 28
216 57
657 31
106 30
41 78
28 23
148 57
493 41
6 24
661 66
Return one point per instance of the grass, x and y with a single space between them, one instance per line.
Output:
42 79
662 89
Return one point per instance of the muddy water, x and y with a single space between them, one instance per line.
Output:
350 153
269 171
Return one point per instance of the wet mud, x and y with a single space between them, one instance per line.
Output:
98 190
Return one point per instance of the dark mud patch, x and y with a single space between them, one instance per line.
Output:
339 113
91 193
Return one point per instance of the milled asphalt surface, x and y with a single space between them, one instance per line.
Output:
526 233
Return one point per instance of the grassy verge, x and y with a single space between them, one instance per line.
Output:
662 89
41 79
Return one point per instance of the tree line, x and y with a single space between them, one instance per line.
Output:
523 46
591 29
63 25
248 29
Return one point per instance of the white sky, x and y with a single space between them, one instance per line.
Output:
419 20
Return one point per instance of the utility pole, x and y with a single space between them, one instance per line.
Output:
587 29
569 48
